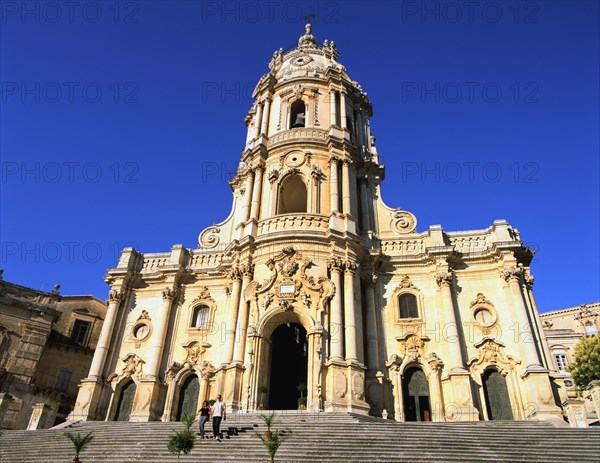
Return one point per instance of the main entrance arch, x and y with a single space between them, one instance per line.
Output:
416 395
188 397
288 366
496 396
125 401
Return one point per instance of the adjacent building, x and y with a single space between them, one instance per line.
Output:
314 292
46 347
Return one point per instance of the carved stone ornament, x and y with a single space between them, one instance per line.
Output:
115 296
194 351
512 273
480 300
203 296
444 279
403 222
144 315
169 293
491 352
405 282
289 287
209 238
132 367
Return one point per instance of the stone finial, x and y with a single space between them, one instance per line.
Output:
307 40
56 289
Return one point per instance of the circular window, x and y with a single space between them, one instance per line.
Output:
294 159
484 316
568 383
141 331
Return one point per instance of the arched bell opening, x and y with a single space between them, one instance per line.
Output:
292 195
297 115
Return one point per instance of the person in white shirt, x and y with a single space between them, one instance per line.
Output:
218 413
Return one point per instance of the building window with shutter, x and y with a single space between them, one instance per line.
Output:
80 332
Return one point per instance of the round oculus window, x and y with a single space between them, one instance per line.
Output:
141 331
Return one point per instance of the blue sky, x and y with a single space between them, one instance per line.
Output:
121 121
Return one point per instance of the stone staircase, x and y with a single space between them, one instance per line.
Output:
316 437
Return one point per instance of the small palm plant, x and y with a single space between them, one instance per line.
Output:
302 400
182 441
269 421
79 442
273 442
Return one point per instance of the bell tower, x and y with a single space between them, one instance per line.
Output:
309 149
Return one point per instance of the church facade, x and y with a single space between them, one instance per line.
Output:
314 293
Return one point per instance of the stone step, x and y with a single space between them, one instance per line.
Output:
337 437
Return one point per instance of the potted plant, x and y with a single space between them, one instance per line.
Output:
302 400
80 443
273 443
269 421
262 390
182 441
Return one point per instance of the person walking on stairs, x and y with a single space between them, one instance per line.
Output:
204 416
218 413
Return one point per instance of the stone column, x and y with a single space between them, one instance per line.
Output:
346 198
332 109
343 110
160 333
359 127
448 321
525 340
236 275
264 127
528 290
435 385
248 196
364 203
371 307
114 300
458 390
350 311
257 193
242 328
336 329
258 120
334 185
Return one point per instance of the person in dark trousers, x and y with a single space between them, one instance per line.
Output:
204 416
218 413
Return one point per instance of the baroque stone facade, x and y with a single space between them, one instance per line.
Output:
312 280
46 347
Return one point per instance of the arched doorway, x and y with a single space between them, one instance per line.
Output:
188 397
125 402
416 395
292 195
497 399
289 366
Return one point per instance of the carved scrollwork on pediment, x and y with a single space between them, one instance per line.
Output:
204 296
195 351
289 285
491 353
132 368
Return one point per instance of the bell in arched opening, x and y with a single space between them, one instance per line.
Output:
298 115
